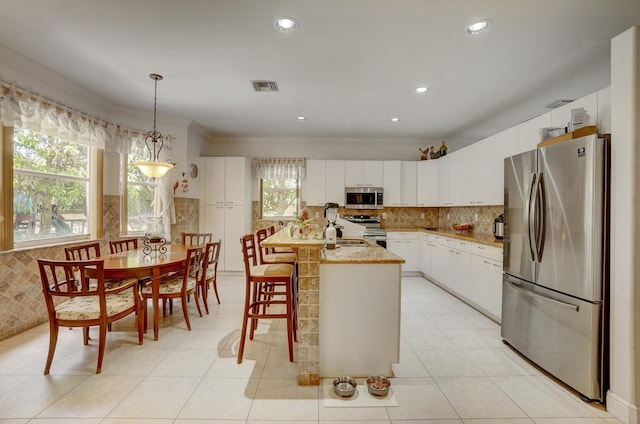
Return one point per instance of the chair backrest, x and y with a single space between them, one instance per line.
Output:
195 239
82 252
249 253
121 245
211 255
271 230
261 235
193 264
69 279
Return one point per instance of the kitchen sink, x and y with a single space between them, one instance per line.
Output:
352 242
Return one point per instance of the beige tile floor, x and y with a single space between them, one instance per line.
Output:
453 369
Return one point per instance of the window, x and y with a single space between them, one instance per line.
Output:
51 188
140 197
279 197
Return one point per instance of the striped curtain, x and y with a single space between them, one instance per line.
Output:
280 168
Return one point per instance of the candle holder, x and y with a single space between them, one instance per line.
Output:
154 241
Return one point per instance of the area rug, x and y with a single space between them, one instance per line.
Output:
360 399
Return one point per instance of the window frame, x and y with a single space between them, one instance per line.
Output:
281 218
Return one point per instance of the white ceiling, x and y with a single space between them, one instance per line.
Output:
349 67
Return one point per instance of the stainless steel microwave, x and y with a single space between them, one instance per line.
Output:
363 197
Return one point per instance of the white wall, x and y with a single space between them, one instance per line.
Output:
624 395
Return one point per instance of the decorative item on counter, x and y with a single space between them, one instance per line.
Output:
424 154
302 227
443 149
154 240
463 227
331 235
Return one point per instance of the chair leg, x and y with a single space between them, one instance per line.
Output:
215 289
144 315
53 340
85 335
140 316
205 297
290 329
195 297
102 341
185 312
245 319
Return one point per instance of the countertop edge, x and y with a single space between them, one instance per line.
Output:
485 239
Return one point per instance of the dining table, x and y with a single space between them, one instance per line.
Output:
139 264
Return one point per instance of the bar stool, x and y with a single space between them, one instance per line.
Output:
267 256
272 230
266 285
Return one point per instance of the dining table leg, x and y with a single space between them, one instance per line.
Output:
155 293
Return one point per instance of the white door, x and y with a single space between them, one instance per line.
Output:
392 183
235 181
334 182
214 178
214 224
409 183
313 186
234 229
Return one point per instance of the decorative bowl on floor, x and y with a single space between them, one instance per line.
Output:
344 386
378 385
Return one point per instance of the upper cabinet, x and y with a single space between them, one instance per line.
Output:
427 183
227 181
478 165
409 183
392 183
324 182
604 111
450 179
364 173
529 132
505 144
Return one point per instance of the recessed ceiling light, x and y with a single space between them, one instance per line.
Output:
286 24
478 27
301 118
422 89
395 119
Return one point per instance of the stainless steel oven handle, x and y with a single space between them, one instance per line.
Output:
544 298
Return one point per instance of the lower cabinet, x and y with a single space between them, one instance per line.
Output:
405 245
472 271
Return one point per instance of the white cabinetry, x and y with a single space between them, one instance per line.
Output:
529 132
604 111
334 189
405 245
427 247
364 173
486 269
450 179
324 182
409 183
227 206
505 144
477 173
393 188
457 263
427 183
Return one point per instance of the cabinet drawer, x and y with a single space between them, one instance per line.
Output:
402 235
489 252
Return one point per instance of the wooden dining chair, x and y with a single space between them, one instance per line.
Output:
121 245
195 239
180 285
87 251
265 285
73 302
267 256
210 274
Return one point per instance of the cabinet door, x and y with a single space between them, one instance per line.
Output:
214 180
214 224
234 229
443 181
313 186
529 132
334 187
463 284
505 144
437 253
410 255
425 258
409 183
374 173
353 173
477 173
235 180
393 188
487 288
395 246
427 183
455 178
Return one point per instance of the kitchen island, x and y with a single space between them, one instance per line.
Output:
338 269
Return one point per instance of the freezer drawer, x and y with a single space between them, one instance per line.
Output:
559 333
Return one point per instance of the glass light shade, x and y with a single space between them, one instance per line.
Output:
154 169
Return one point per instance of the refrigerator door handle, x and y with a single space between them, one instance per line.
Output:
541 216
543 298
530 218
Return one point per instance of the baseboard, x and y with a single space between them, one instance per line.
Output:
622 409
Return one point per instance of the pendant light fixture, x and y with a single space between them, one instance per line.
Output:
153 168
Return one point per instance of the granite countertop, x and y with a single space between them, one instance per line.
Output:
486 239
371 254
282 239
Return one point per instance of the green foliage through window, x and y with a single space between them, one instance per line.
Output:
280 198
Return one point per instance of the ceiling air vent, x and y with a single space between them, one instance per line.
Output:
264 86
558 103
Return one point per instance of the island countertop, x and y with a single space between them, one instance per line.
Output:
371 254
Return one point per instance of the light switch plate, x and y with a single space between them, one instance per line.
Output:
384 215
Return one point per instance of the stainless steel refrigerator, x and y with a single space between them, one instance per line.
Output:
554 291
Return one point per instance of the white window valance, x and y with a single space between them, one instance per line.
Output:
27 109
279 168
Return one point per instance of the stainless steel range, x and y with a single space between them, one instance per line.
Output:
372 228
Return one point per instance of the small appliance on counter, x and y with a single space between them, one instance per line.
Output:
498 227
331 213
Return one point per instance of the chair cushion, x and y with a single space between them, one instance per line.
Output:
210 274
273 258
171 285
114 284
275 270
88 307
